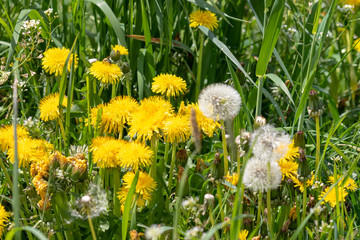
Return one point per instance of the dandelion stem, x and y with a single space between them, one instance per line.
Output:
62 129
113 90
259 208
91 227
226 162
304 203
198 74
128 88
116 184
219 195
268 202
259 96
172 166
317 142
213 222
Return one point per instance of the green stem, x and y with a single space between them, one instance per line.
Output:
91 227
226 154
154 146
198 74
172 166
7 176
101 90
337 196
133 214
213 222
259 96
113 90
116 184
128 87
304 202
268 202
61 125
317 142
219 195
241 207
259 208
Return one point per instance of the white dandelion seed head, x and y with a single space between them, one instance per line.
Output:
193 232
219 101
255 175
153 232
269 143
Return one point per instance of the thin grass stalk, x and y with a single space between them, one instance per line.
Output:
226 154
303 216
116 185
259 96
7 176
199 67
172 165
337 196
15 190
317 142
268 202
133 214
211 216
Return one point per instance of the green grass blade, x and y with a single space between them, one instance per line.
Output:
10 235
127 206
271 35
118 28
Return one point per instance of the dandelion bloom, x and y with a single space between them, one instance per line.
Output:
134 155
4 219
255 175
300 185
350 184
49 107
144 187
219 102
233 178
357 44
207 125
117 113
54 60
105 151
30 150
203 18
106 72
121 49
331 195
177 129
168 85
288 168
148 120
243 234
7 135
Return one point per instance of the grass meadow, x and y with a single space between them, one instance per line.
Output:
179 119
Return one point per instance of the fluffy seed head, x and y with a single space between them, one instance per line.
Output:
219 102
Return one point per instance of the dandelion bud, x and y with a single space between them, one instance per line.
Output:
125 68
315 108
299 140
209 200
217 168
304 171
181 155
259 122
115 55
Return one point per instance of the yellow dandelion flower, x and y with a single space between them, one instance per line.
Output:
350 184
352 2
177 129
288 168
233 178
203 18
357 44
144 187
7 135
287 151
150 117
207 125
30 150
49 107
54 60
299 184
121 49
134 155
40 185
117 113
106 72
168 85
105 151
331 196
4 219
243 234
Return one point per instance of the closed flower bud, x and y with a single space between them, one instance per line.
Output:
209 200
115 55
259 122
315 107
217 167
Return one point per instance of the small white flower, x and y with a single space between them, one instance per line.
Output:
48 12
193 233
255 175
219 102
153 232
